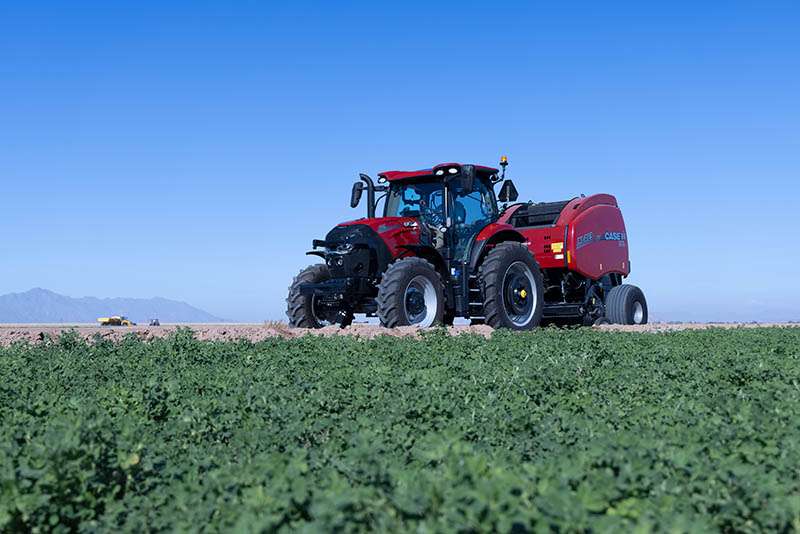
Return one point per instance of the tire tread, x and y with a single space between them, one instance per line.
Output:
388 312
296 308
617 303
490 278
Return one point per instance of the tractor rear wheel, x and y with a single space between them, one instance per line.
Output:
626 304
513 290
301 309
410 293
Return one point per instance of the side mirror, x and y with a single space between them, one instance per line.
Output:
355 195
508 193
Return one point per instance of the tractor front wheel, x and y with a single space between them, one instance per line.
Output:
626 304
513 289
410 293
301 309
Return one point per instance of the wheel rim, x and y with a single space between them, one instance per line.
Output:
419 301
638 312
319 318
519 294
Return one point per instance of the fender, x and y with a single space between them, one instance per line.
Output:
429 253
508 212
491 235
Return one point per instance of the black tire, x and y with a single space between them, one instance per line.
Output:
300 308
404 283
626 304
501 297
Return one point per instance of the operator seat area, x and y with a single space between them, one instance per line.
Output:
459 213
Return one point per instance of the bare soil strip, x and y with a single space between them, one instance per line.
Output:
257 332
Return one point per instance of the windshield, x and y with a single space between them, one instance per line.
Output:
424 200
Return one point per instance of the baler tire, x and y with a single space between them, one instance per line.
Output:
394 286
492 274
625 304
299 308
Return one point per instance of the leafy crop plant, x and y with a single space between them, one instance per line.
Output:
565 430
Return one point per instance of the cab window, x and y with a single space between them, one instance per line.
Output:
471 212
424 200
476 207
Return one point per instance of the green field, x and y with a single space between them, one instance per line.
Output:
571 430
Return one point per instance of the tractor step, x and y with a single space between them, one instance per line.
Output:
475 304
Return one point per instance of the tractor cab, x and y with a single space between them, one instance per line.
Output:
434 215
455 202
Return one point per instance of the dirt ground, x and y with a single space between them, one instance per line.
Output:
256 332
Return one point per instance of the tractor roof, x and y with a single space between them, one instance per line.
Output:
393 176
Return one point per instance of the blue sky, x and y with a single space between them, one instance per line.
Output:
193 150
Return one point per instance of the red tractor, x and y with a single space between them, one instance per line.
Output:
444 248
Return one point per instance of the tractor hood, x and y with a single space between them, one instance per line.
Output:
395 232
382 225
366 247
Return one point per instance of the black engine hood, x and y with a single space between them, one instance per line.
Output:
355 250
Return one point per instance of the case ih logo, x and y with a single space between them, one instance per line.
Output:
590 237
613 236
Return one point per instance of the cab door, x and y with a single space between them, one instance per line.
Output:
471 211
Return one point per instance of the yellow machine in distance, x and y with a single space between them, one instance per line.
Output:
115 320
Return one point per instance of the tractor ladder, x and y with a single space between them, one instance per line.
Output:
475 299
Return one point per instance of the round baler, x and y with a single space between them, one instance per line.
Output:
447 246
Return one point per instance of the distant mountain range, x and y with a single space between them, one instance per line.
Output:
44 306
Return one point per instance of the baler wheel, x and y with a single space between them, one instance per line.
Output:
626 304
300 308
513 290
411 293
